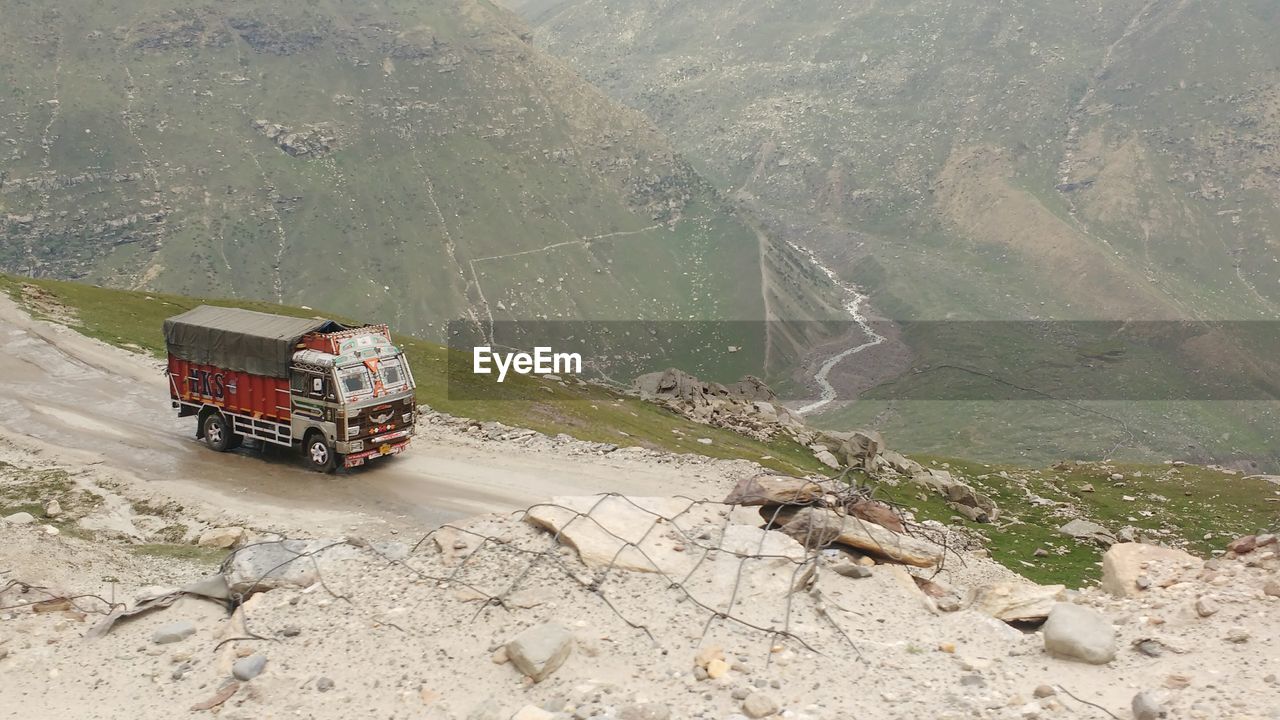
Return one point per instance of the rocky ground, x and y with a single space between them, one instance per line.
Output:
634 608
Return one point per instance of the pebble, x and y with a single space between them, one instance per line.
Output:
324 684
1238 635
717 669
1044 691
645 711
1272 587
758 705
1206 607
1148 705
249 668
291 631
173 632
52 509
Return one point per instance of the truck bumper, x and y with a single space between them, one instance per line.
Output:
388 447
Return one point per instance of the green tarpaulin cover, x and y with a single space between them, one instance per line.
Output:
242 340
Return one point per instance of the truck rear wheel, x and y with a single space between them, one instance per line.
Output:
217 433
318 454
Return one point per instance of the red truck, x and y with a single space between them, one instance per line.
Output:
343 395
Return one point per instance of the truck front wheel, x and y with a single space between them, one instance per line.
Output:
217 434
319 455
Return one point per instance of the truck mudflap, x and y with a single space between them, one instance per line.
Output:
387 448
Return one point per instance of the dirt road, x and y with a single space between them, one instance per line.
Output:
80 400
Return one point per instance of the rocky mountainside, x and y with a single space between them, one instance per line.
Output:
414 161
1040 159
964 160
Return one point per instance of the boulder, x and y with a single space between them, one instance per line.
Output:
1078 633
1124 563
826 457
860 448
774 490
222 538
1081 529
540 650
901 464
877 512
1017 601
820 527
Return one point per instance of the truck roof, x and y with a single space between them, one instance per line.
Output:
241 340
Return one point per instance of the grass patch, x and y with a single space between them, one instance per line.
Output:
1195 508
174 551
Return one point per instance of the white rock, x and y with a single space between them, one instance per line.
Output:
20 518
540 650
1079 633
223 538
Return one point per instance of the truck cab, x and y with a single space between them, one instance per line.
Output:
356 389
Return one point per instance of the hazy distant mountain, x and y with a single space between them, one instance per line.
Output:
415 161
1108 159
1094 158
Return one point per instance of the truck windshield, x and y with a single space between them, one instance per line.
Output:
393 375
355 381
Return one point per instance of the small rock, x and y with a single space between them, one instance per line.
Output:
1148 705
20 518
1044 691
221 538
1041 552
173 632
1087 487
1243 545
758 705
1272 587
1079 633
533 712
708 653
1238 635
324 684
645 711
853 571
291 631
499 656
1205 607
540 650
249 668
717 669
52 509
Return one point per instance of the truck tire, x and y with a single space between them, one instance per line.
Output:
317 453
217 433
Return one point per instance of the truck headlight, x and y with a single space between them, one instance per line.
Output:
353 430
406 418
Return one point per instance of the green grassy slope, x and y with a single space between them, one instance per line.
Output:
417 161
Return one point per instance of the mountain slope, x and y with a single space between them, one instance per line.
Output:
1082 160
414 161
965 160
